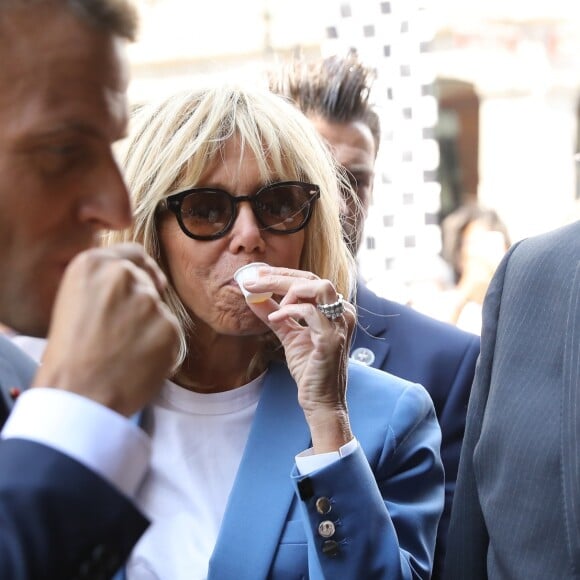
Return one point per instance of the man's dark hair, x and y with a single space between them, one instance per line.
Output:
337 89
116 17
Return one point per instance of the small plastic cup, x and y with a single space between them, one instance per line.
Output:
250 272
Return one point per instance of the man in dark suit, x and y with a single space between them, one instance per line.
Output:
70 459
516 512
334 94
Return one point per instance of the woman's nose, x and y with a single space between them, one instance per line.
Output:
246 235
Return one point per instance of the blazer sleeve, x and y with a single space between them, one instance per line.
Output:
58 519
468 539
383 516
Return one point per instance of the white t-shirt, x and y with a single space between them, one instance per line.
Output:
197 446
198 442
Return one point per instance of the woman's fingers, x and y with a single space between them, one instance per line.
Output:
294 286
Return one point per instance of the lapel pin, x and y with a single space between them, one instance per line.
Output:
363 355
14 392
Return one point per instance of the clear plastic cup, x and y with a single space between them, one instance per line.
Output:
250 272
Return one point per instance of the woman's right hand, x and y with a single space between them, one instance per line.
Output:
316 348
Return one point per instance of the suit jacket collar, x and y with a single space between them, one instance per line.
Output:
247 540
372 327
16 371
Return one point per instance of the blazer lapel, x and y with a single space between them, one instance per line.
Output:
262 493
570 427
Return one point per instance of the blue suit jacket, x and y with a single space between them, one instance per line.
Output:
517 510
386 498
57 518
440 357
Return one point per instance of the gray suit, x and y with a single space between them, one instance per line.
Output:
516 513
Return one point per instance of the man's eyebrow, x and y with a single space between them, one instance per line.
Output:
66 128
38 136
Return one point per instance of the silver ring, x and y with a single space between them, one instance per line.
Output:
334 310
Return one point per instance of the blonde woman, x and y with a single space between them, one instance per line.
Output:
273 456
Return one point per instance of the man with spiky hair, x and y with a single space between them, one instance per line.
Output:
335 94
70 458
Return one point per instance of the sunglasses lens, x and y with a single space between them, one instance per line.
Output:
284 207
206 213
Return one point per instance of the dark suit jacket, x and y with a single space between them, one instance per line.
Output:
439 356
57 518
517 506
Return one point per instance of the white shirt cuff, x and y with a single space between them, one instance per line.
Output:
99 438
308 461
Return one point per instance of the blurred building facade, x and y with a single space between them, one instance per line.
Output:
515 107
477 100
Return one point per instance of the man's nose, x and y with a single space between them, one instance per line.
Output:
106 202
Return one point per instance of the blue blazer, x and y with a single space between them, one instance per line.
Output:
386 498
436 355
516 512
58 519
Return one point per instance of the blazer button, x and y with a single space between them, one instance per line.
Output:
330 548
323 505
326 529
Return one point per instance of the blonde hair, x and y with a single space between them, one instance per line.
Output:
171 144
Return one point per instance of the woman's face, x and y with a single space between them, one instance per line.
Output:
202 271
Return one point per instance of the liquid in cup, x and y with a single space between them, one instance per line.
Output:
250 272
